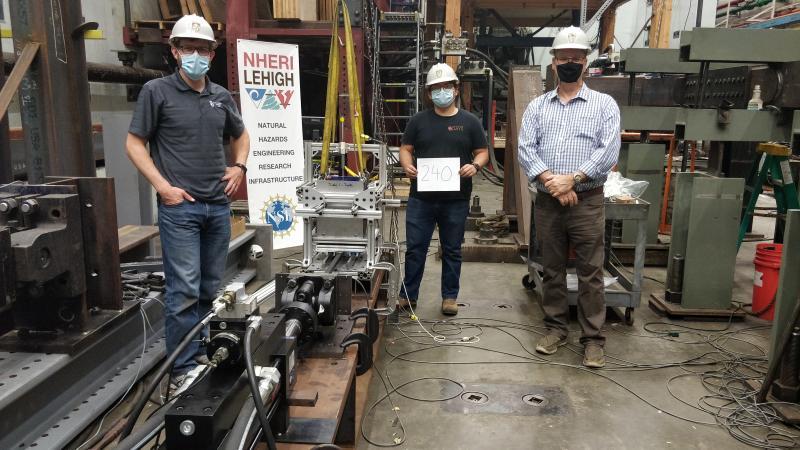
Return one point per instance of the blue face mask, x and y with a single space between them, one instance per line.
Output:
443 97
194 65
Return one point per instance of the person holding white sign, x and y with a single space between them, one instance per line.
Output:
184 118
442 149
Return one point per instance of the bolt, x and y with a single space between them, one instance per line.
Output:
187 428
29 206
7 206
223 326
44 258
291 284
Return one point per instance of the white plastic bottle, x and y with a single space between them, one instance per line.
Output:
755 103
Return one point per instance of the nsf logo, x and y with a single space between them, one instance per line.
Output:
279 212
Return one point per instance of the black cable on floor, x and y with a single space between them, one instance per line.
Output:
722 371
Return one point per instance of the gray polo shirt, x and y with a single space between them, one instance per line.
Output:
185 129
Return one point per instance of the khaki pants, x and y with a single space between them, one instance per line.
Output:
583 227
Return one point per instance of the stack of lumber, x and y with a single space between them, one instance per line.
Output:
212 10
326 9
295 9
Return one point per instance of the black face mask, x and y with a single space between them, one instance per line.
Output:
569 72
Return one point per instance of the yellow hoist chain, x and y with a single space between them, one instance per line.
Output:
332 96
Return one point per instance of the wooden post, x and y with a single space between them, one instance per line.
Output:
660 25
607 23
452 23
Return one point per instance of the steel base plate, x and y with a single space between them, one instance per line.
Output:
309 431
69 342
328 343
674 310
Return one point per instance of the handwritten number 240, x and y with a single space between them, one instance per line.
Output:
434 173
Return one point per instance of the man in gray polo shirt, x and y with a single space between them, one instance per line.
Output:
184 118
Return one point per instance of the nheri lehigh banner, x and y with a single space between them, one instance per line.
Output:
269 80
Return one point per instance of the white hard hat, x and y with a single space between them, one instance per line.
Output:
570 37
192 26
440 73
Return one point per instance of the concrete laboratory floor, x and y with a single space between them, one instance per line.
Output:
585 410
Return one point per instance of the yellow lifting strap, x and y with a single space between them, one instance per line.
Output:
331 98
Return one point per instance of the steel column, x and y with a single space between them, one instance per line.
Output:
6 171
54 94
240 17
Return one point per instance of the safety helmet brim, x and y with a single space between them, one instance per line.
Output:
440 73
441 80
570 47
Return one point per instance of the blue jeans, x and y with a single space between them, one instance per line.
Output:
421 218
194 247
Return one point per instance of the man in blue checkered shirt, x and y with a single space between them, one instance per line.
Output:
568 142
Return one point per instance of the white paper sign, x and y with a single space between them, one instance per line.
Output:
438 174
269 80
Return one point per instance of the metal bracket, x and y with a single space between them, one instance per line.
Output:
724 113
368 200
79 31
311 198
372 326
586 25
364 351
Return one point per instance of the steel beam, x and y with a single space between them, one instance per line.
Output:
520 41
660 60
103 73
504 22
240 16
549 22
742 126
740 45
54 93
648 118
789 19
597 15
6 160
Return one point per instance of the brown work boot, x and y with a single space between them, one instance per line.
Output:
593 356
550 343
449 307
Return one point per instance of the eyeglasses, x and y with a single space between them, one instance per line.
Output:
578 59
436 87
188 50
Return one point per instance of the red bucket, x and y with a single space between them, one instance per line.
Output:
765 281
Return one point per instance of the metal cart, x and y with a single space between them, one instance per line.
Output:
629 295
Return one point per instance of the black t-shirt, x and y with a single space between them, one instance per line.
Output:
435 136
185 130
